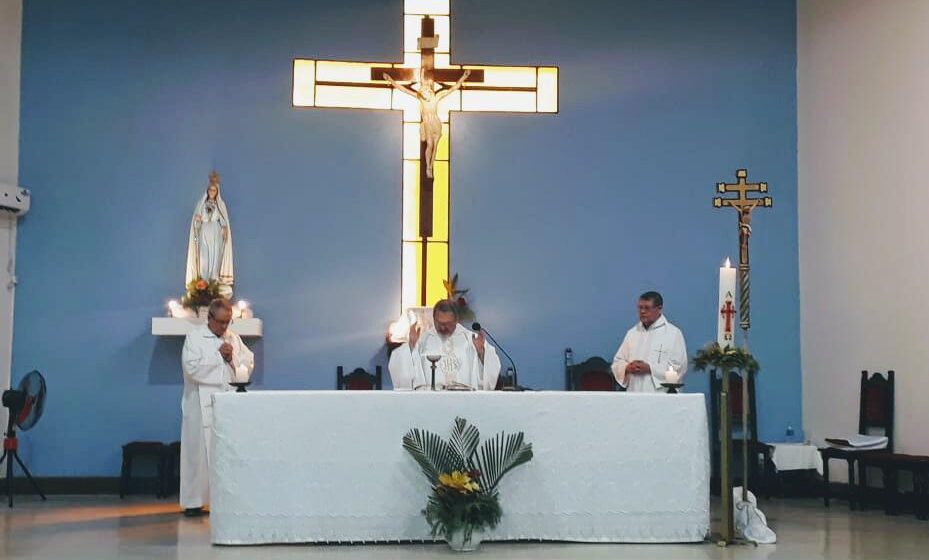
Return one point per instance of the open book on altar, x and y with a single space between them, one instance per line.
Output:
858 442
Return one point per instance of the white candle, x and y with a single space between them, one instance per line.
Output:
725 311
241 373
671 376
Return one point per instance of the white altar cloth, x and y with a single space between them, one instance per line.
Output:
328 466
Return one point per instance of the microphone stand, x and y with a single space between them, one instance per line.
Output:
515 386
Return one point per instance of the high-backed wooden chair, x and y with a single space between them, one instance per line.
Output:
359 380
875 413
592 375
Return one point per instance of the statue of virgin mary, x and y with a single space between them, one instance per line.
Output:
209 249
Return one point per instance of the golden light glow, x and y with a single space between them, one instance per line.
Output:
412 27
516 101
507 76
411 199
441 154
437 271
352 97
304 83
548 90
432 7
440 202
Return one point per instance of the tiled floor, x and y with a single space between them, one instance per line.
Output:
101 528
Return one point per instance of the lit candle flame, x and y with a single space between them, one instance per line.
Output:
728 264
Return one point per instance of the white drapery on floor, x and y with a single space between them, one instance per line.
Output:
328 466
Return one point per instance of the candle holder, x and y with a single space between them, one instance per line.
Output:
672 387
433 358
240 386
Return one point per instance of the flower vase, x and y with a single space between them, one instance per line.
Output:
203 312
456 541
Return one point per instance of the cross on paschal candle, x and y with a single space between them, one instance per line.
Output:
744 205
426 200
728 312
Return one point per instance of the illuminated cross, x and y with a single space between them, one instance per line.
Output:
744 206
426 57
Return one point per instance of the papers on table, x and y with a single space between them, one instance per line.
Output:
858 442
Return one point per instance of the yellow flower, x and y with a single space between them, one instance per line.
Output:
459 481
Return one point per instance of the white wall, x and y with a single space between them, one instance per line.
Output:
863 79
10 39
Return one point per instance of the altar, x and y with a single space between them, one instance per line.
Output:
328 466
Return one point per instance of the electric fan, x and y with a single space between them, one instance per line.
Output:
26 404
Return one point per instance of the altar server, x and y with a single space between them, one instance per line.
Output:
211 354
465 358
649 349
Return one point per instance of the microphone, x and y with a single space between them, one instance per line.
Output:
477 328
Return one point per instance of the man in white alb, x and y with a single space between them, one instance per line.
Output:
466 359
211 353
649 348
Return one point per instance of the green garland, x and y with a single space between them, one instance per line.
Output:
729 358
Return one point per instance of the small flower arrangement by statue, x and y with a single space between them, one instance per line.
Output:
464 478
200 293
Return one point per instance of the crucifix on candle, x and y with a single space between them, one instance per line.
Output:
426 87
744 205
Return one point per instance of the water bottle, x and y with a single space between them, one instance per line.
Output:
568 357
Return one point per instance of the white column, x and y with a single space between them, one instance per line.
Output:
11 12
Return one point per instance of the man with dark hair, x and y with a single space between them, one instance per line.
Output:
649 349
466 359
211 354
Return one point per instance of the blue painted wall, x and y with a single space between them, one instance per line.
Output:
559 222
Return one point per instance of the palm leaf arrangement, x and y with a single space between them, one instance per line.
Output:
713 357
465 475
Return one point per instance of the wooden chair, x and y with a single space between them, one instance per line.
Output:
875 412
359 380
758 452
592 375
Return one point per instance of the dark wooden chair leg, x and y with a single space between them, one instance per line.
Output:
853 492
124 475
891 497
922 493
826 481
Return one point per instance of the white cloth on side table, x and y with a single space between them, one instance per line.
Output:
328 466
796 457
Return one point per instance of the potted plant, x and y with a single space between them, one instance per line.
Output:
464 475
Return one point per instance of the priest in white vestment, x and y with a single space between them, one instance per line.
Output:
649 349
211 354
466 359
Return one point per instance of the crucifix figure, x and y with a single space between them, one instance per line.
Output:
744 206
440 88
